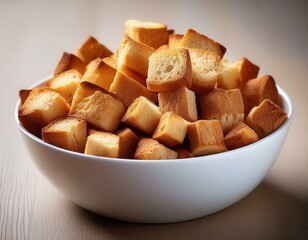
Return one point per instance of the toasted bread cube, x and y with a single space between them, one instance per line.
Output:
266 118
150 149
240 136
183 152
42 106
206 137
127 90
174 40
171 130
104 144
128 143
91 49
99 73
224 105
205 66
143 115
235 74
258 89
69 61
150 33
134 55
181 101
97 106
69 133
111 61
65 83
169 70
193 39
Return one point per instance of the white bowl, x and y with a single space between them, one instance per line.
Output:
158 191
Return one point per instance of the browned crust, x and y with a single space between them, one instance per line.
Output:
70 61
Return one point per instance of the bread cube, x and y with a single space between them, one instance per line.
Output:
181 101
69 61
143 115
99 73
171 130
150 149
206 137
91 49
133 75
205 66
169 70
42 106
65 83
266 118
224 105
174 40
183 152
104 144
235 74
162 47
127 143
150 33
193 39
127 90
100 108
258 89
134 55
68 133
240 136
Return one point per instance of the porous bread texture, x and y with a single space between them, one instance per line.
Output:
68 133
169 70
98 107
205 66
42 106
92 49
65 83
150 149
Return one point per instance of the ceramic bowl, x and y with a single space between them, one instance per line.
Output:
158 191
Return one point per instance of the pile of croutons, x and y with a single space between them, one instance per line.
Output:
159 96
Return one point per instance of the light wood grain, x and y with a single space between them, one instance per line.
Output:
33 35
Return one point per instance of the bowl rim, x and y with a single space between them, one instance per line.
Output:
289 106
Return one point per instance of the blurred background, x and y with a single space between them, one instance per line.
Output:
34 34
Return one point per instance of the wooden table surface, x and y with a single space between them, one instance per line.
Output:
33 36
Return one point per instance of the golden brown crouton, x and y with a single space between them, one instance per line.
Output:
128 143
69 133
100 108
42 106
69 61
224 105
150 149
266 118
240 136
181 101
91 49
206 137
